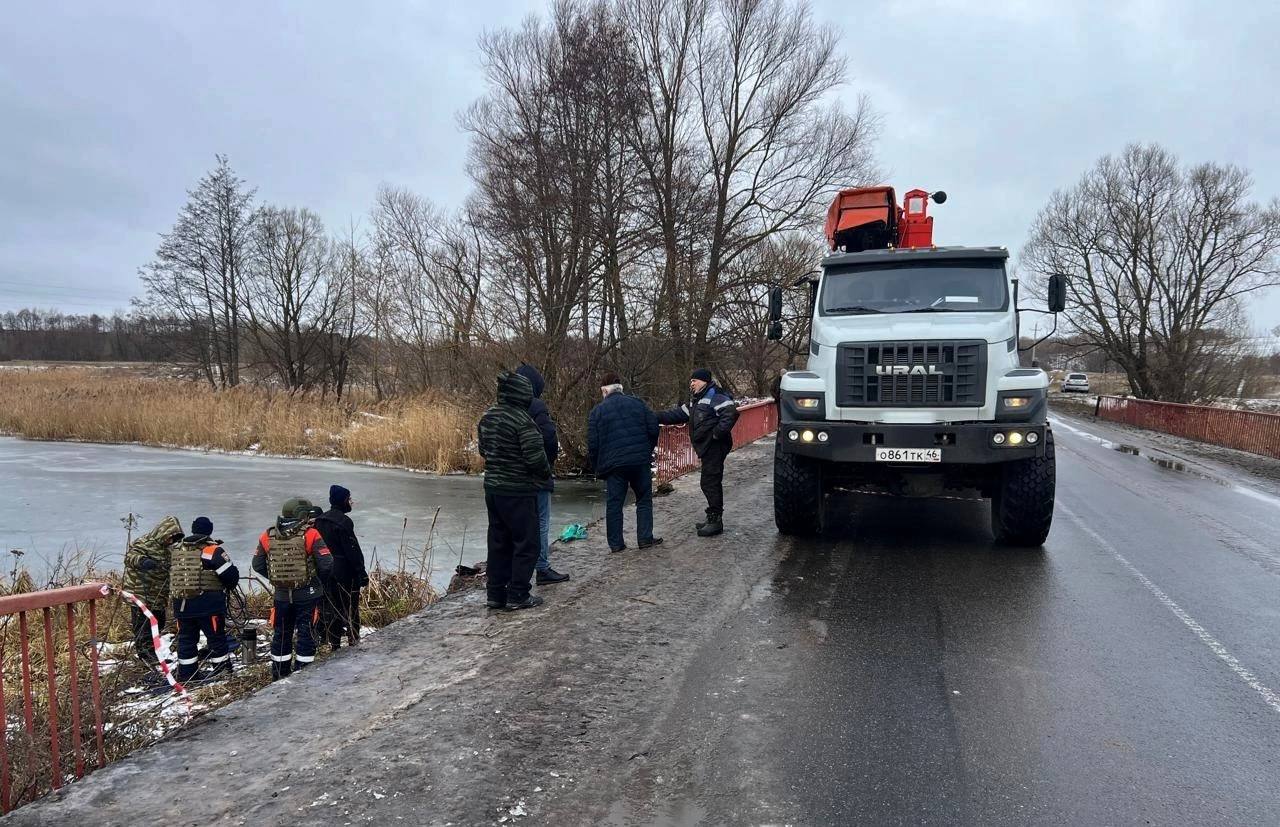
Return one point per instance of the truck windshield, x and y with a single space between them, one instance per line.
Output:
955 286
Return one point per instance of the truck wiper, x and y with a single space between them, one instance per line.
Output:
930 310
854 308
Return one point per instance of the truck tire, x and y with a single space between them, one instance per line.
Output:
797 494
1022 507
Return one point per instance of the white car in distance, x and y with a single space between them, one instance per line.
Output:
1075 383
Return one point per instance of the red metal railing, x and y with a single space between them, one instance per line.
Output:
1258 433
675 454
52 604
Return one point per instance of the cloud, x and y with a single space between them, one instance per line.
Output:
114 110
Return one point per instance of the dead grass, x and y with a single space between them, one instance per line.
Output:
133 719
425 432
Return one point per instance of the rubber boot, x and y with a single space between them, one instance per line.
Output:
713 526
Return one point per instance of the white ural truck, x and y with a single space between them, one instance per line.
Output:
914 385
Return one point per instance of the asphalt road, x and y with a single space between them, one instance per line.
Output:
902 670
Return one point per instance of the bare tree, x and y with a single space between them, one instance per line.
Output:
198 272
289 301
774 150
1160 259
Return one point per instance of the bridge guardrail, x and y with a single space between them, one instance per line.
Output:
58 610
675 454
1252 431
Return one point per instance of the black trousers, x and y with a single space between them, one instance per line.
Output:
287 621
713 478
214 628
514 543
340 612
142 641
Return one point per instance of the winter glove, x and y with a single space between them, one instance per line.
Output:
147 564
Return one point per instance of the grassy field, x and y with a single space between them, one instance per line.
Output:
121 406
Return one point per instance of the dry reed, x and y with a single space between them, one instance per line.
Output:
424 432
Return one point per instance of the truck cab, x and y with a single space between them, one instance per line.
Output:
913 385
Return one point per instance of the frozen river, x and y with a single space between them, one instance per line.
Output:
57 497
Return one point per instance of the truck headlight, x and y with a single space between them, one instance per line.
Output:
1033 438
997 438
1017 401
807 402
793 435
807 436
1015 438
822 436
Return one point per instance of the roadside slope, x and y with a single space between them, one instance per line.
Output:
457 715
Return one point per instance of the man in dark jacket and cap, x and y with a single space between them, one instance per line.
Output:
340 609
711 415
621 435
515 469
199 575
541 416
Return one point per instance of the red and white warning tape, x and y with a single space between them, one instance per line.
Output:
162 651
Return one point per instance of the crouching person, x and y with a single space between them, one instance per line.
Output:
146 576
199 575
293 556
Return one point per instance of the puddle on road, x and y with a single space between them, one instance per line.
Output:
1167 463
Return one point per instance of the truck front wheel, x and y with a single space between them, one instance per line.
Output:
797 494
1022 506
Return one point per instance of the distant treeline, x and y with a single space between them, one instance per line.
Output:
49 335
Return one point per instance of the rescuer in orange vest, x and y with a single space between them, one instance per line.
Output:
293 556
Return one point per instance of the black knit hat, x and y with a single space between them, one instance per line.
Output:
202 526
338 495
703 374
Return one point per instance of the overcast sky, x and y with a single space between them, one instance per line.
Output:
110 111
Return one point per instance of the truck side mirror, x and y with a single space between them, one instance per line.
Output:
1057 293
775 331
775 304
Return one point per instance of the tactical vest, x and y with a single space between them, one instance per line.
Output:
288 564
187 575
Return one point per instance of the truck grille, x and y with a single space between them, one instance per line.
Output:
912 374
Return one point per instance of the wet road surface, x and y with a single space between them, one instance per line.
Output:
902 670
906 671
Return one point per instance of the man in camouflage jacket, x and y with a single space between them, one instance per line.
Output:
146 574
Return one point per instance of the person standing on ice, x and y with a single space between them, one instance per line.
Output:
199 575
146 576
293 556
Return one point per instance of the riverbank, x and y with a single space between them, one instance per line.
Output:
433 720
425 432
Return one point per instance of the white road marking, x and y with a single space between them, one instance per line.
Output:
1214 645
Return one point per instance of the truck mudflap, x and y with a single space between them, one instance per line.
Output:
978 443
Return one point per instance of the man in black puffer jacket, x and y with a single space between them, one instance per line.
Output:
541 416
711 415
340 608
621 435
515 468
